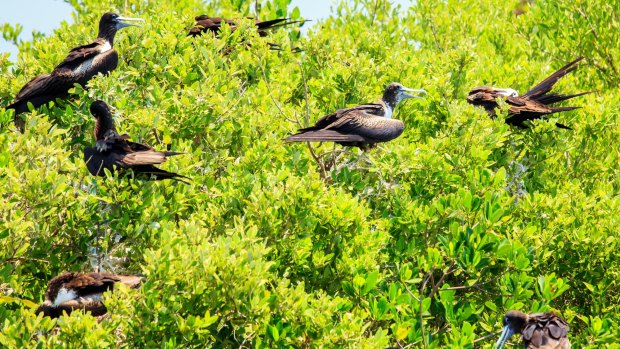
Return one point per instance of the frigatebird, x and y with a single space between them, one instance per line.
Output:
534 104
538 331
77 291
361 126
205 23
82 63
213 25
113 151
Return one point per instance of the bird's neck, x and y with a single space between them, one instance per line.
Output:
390 100
102 126
389 107
388 111
107 34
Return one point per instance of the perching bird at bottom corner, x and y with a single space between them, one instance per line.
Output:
534 104
538 331
361 126
113 151
71 291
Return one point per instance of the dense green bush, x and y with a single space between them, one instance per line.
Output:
424 242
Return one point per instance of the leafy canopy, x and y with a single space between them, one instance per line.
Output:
424 244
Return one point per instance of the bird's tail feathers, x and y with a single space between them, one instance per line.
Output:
562 126
173 153
324 136
561 109
277 23
556 97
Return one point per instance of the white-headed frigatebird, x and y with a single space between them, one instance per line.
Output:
213 25
114 151
82 63
534 104
82 291
362 126
538 331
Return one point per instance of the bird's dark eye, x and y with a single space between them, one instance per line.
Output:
505 321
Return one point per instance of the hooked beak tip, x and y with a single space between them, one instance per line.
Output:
409 95
506 333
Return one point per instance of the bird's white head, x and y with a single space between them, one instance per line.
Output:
506 92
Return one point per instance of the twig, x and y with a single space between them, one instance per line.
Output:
428 276
307 122
97 245
229 109
270 96
436 287
374 13
303 77
598 39
487 336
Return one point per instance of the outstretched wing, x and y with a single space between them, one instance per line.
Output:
546 85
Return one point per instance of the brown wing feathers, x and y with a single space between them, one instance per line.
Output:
533 104
545 331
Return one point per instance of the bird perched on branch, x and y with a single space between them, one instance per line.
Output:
77 291
213 25
362 126
538 331
82 63
534 104
113 151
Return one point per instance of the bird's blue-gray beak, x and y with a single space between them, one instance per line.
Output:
405 93
506 333
120 24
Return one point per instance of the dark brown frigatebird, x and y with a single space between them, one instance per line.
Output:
77 291
534 104
361 126
213 25
538 331
115 151
82 63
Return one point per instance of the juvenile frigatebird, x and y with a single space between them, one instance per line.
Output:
115 151
534 104
213 25
538 331
82 63
76 291
362 126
